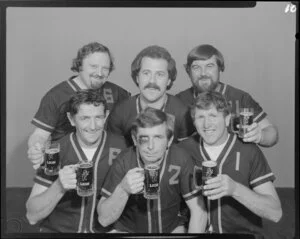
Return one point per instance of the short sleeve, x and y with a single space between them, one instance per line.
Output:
260 171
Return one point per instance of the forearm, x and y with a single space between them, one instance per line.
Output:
265 206
40 206
198 219
38 136
197 223
111 208
269 136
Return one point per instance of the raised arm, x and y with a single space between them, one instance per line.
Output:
110 209
198 219
262 200
43 200
36 144
264 133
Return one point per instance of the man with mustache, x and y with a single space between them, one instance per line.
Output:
204 64
93 63
153 71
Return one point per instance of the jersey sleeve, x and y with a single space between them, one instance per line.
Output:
186 178
123 95
114 176
248 101
47 114
43 179
260 171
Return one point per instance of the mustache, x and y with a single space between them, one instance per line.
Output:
204 78
152 85
98 77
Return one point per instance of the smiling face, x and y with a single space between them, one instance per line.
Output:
89 122
152 142
95 69
205 74
211 125
153 79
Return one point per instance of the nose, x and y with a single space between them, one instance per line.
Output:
203 71
207 122
152 78
150 144
92 124
99 71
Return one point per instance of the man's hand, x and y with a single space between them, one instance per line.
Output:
254 133
133 181
36 154
67 177
219 186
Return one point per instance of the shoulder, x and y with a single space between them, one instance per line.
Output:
115 140
176 105
189 143
127 103
114 87
231 90
178 154
185 93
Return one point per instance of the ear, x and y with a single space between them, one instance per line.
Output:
227 120
134 139
70 119
169 82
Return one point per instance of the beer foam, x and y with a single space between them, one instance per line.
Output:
209 163
51 151
247 114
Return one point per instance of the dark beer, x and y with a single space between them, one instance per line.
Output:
235 120
85 178
151 183
52 162
246 119
209 170
197 177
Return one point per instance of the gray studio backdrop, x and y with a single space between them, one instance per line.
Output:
258 45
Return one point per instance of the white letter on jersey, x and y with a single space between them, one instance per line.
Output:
174 178
113 153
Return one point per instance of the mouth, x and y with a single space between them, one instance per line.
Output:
209 131
152 89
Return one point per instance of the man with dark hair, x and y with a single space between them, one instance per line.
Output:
204 64
122 202
53 199
153 71
243 191
93 64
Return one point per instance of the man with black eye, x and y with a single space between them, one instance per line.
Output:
93 65
204 66
122 203
153 71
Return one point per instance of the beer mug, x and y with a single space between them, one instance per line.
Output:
52 160
197 177
85 179
209 170
234 122
246 119
151 182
